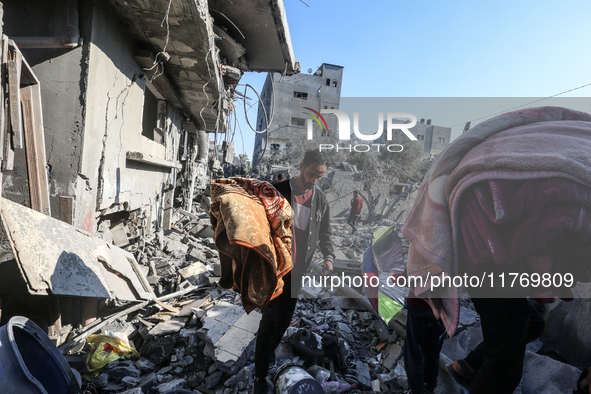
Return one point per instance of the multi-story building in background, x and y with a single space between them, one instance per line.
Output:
285 100
433 138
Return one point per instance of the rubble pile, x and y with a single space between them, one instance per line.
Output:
174 260
176 349
339 335
202 341
208 346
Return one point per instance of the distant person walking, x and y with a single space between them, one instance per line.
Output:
355 213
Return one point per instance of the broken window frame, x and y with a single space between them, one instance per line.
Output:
303 96
298 122
441 140
420 137
21 121
156 130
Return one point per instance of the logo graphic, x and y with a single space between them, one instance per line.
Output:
316 119
394 121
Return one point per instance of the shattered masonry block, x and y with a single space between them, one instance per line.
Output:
214 330
312 291
375 386
557 377
165 370
122 370
171 326
145 365
363 375
172 385
186 309
340 255
130 381
175 247
161 350
231 349
187 332
249 322
196 254
136 390
386 380
399 370
186 361
382 329
229 333
392 354
196 273
225 312
345 331
213 380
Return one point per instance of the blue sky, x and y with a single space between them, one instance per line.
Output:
420 48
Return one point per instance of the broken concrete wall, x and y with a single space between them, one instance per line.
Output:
61 74
108 180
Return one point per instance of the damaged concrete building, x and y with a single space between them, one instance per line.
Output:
119 99
286 99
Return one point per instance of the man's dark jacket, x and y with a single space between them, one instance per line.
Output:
319 231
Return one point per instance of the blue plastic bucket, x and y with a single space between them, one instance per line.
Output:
30 362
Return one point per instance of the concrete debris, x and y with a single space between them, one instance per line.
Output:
392 353
172 385
201 340
169 327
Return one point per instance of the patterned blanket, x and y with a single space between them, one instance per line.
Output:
252 225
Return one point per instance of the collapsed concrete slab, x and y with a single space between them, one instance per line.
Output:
229 334
55 258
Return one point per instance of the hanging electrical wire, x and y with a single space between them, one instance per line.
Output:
523 105
267 122
161 56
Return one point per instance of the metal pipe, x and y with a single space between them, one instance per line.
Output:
44 42
203 141
197 167
73 23
71 40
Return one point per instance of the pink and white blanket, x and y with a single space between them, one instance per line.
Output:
536 143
